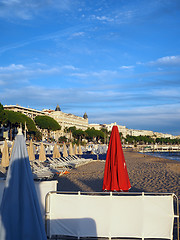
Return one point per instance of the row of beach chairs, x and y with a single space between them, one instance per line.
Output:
45 167
55 166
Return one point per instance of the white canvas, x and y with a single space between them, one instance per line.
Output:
111 216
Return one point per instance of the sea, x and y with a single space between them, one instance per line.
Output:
167 155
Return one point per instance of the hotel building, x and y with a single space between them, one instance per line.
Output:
29 112
67 120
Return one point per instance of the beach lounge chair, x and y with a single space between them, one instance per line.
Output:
40 172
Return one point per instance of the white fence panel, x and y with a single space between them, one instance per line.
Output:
42 188
144 216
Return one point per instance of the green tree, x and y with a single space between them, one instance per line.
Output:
62 139
3 115
71 129
46 122
93 134
79 134
1 107
14 119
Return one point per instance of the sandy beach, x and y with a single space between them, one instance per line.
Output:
146 173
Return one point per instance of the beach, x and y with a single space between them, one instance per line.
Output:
146 174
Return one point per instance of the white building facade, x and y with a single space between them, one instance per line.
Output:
67 120
29 112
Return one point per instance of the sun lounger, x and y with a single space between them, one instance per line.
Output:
40 172
57 162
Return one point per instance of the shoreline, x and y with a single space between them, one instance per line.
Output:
146 173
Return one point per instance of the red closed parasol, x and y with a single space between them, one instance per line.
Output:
115 174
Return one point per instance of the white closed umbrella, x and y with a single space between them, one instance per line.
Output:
20 212
42 154
5 155
75 150
65 153
80 150
71 153
11 148
56 153
31 151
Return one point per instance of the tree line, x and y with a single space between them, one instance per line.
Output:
91 135
11 120
139 140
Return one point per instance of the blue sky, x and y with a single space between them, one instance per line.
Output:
117 60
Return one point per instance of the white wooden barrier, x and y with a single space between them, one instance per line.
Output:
110 215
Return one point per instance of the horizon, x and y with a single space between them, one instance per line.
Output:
118 61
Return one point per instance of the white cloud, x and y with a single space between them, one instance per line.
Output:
2 82
116 16
36 68
81 75
127 67
167 92
160 118
100 74
78 34
12 67
26 10
18 75
70 67
104 18
104 73
167 61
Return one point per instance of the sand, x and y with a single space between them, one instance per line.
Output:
146 173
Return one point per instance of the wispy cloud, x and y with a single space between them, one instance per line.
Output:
56 37
127 67
12 67
26 73
96 77
2 82
102 18
114 16
170 92
80 75
166 61
144 118
26 10
78 34
69 67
